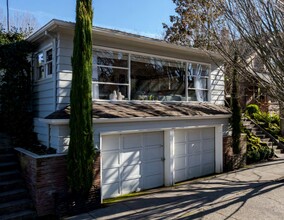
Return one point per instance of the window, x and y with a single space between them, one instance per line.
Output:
198 78
110 74
44 63
157 79
141 77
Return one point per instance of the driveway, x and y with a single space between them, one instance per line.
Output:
256 192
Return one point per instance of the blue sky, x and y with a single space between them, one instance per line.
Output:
144 17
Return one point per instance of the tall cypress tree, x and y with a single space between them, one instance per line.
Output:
81 147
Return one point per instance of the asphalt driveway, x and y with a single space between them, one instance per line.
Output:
256 192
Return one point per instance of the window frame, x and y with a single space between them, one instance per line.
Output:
45 64
129 53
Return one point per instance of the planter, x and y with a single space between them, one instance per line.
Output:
234 161
46 179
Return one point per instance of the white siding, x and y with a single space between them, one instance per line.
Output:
41 129
64 76
217 85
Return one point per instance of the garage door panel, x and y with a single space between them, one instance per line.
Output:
180 163
193 134
131 141
110 190
207 169
153 168
111 175
153 181
153 153
180 149
208 145
194 147
194 160
180 136
111 142
208 157
194 172
131 157
129 186
111 159
131 172
180 175
153 138
208 133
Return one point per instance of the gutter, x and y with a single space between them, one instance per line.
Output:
136 119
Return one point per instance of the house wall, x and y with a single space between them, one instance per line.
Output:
60 133
65 47
44 93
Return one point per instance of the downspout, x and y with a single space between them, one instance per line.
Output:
54 76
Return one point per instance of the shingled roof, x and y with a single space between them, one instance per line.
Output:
125 109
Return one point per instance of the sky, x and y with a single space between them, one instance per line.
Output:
143 17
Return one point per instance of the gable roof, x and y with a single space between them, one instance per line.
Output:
148 110
56 25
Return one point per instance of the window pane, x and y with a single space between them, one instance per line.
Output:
102 91
40 72
40 59
197 82
111 58
49 55
112 75
49 68
157 79
197 95
198 70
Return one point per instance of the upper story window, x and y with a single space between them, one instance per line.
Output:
198 80
123 76
157 79
44 64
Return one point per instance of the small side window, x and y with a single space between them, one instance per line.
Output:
44 64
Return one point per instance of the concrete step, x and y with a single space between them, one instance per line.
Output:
7 166
25 214
265 140
9 175
15 206
11 195
8 185
278 151
261 136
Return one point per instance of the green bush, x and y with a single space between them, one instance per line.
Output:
251 109
256 150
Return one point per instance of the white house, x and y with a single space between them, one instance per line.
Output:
158 108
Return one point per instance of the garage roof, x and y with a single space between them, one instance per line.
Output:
123 109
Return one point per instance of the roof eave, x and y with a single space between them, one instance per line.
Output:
137 119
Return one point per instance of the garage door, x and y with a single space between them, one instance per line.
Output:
131 162
194 153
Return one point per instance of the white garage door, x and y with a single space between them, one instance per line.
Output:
131 162
194 153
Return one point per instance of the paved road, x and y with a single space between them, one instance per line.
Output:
252 193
